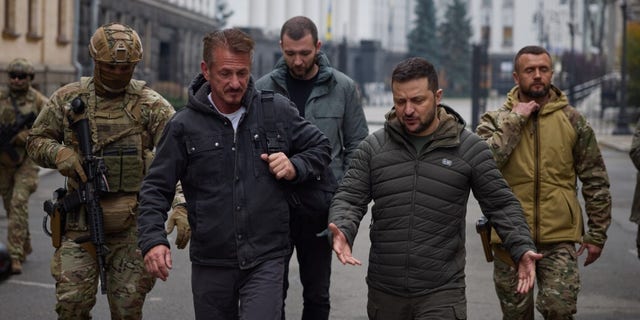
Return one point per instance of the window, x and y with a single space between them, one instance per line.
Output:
34 21
62 22
9 30
507 36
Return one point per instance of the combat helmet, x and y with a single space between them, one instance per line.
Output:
115 43
21 65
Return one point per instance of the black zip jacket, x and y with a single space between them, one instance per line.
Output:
420 205
238 211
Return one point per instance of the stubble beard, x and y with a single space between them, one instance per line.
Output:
537 93
424 125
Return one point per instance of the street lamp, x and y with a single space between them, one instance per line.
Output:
622 123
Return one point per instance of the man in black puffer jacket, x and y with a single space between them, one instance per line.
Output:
419 170
221 148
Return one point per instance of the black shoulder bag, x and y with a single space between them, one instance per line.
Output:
311 197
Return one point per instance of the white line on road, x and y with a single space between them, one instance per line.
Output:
33 284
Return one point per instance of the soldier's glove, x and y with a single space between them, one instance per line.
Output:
68 163
20 139
179 218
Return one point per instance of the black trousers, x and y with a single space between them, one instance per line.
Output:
231 293
314 260
446 304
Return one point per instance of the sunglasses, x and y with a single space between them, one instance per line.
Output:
20 76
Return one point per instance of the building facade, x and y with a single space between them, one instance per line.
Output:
41 31
54 35
357 34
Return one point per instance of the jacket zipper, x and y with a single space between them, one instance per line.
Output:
536 178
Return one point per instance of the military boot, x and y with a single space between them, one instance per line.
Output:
16 266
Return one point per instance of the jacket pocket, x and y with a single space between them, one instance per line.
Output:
206 154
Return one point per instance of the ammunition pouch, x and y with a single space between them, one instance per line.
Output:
68 215
118 211
125 168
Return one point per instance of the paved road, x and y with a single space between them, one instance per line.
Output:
610 286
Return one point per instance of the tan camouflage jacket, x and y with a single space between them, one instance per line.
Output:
31 102
540 157
51 130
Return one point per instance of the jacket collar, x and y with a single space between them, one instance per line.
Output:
199 89
447 133
557 100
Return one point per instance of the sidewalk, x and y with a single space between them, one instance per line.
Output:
620 143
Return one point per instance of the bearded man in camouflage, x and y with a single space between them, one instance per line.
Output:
542 146
19 105
126 119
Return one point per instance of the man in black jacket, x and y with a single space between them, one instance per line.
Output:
234 182
419 170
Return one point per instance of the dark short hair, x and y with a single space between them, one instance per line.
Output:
535 50
298 27
233 39
415 68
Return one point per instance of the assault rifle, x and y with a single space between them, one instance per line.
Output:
89 192
7 132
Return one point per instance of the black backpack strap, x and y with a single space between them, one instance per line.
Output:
267 119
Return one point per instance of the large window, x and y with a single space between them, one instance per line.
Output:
507 23
33 32
9 29
507 36
63 22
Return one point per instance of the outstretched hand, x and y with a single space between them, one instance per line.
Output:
527 271
341 247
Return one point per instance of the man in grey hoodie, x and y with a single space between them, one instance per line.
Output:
331 101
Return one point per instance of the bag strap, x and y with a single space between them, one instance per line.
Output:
267 120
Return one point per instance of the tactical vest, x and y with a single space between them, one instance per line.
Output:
16 113
118 137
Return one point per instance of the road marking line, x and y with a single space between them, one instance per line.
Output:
33 284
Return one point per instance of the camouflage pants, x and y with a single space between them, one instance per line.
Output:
16 186
558 281
76 275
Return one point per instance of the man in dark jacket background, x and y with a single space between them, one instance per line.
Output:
419 170
235 189
331 101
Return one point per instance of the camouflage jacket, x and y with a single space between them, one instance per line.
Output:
51 131
32 101
541 157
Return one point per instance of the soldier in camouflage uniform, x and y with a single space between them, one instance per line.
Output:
19 105
126 120
542 146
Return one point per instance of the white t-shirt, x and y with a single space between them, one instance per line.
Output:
233 117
